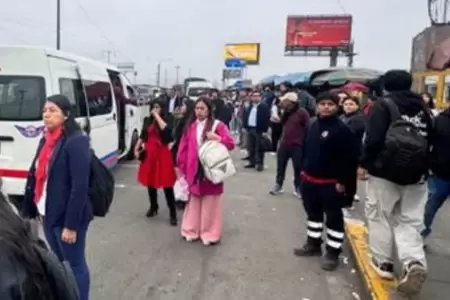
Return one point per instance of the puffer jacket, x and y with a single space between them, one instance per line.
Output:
14 276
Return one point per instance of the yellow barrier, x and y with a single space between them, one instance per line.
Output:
379 288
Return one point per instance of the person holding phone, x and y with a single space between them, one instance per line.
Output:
156 169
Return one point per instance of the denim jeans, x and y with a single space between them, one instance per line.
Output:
439 191
74 254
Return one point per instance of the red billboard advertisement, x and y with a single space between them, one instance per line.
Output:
318 31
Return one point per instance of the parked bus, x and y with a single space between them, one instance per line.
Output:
103 101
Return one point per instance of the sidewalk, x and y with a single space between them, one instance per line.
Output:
437 286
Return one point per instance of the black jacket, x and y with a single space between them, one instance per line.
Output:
411 107
357 123
262 117
15 279
165 135
330 152
440 152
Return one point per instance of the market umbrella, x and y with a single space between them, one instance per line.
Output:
341 76
355 87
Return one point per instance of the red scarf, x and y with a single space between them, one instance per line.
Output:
43 160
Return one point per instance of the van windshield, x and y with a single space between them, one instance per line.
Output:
196 92
21 98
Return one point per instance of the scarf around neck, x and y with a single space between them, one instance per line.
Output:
43 161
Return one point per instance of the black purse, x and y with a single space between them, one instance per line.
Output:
142 155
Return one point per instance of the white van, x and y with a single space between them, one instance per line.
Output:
30 74
197 88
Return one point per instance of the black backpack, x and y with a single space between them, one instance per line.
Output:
101 187
404 158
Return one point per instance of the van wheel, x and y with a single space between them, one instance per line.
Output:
134 139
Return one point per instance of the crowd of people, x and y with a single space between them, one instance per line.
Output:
392 148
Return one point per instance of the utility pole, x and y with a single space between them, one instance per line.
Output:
165 77
108 56
158 74
190 72
177 68
58 24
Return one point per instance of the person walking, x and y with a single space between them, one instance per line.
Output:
294 122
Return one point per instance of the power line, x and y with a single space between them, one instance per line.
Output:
102 34
341 6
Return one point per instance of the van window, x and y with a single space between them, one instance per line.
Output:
73 90
196 92
21 98
99 97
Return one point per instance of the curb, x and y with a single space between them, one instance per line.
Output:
377 288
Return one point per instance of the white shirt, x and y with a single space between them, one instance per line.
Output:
200 129
43 200
172 104
274 112
252 116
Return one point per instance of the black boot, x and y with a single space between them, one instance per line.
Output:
308 249
330 261
153 197
170 198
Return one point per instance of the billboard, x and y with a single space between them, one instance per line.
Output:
245 51
328 31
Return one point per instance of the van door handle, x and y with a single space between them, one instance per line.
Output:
111 118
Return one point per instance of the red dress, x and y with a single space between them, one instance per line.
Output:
157 170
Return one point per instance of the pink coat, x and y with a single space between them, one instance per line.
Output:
187 159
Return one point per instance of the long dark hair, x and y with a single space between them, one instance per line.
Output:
430 103
16 238
162 104
189 112
70 126
210 118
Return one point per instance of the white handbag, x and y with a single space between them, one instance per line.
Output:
216 160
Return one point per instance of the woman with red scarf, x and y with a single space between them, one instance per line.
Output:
157 169
57 186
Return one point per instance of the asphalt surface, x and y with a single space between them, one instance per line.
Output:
135 258
437 286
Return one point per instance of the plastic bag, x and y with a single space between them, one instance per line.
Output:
181 189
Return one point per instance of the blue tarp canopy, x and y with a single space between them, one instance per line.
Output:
269 79
293 78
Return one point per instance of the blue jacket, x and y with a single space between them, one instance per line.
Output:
67 201
262 117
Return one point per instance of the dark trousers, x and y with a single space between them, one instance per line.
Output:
438 192
284 154
276 130
323 202
170 198
74 254
255 151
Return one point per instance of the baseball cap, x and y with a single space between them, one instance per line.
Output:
290 97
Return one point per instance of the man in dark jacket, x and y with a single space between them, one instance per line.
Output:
294 123
397 198
439 181
329 161
256 122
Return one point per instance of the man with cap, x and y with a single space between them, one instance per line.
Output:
329 162
294 121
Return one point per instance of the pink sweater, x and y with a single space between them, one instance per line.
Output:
187 159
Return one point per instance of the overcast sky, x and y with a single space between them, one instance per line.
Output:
192 33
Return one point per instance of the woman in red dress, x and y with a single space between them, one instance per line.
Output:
156 169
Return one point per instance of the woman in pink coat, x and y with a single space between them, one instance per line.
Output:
202 217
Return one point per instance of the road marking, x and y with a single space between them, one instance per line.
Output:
356 233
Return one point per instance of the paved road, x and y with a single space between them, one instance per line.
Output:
135 258
437 285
